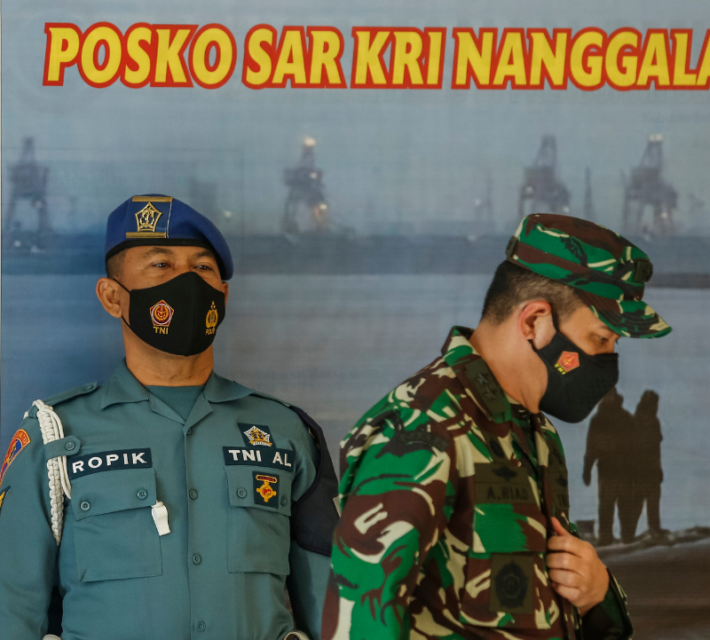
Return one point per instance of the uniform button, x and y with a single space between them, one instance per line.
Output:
141 494
196 558
201 626
85 506
70 446
242 492
189 433
193 494
284 500
88 387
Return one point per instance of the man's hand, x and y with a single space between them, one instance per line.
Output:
576 571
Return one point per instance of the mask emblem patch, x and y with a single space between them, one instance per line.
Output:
211 320
161 314
568 361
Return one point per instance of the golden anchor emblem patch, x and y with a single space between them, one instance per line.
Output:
161 314
258 437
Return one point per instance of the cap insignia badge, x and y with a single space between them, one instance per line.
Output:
146 223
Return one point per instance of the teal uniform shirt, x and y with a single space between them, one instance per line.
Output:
220 573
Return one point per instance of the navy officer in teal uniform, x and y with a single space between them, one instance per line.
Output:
170 502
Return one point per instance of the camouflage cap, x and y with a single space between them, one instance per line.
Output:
609 272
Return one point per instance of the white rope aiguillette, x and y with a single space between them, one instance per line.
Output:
59 486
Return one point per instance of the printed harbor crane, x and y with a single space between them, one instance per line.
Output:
647 194
541 191
28 181
305 203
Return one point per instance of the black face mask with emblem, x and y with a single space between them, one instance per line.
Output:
576 382
179 316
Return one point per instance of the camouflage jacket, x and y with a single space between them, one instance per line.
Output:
447 492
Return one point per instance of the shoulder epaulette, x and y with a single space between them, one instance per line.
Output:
72 393
58 398
266 396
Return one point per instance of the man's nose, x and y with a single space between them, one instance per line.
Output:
181 267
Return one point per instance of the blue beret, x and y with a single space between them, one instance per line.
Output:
162 220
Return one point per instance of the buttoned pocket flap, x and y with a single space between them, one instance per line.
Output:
115 537
258 523
112 491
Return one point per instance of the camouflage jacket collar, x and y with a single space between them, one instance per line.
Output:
475 376
507 415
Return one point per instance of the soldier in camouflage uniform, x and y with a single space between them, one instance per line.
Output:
455 507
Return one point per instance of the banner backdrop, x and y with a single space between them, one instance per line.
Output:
367 162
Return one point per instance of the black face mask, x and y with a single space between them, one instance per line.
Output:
575 380
180 316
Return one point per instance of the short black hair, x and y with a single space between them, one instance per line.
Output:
114 265
513 285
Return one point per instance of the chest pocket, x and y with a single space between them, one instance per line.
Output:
258 521
503 585
507 516
114 533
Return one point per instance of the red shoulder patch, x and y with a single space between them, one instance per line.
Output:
19 441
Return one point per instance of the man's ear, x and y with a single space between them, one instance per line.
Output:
108 291
225 288
535 322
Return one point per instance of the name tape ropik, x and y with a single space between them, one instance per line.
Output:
271 458
307 57
109 461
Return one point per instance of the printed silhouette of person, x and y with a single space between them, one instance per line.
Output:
648 473
610 444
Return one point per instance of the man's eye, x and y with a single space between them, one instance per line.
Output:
161 265
204 267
